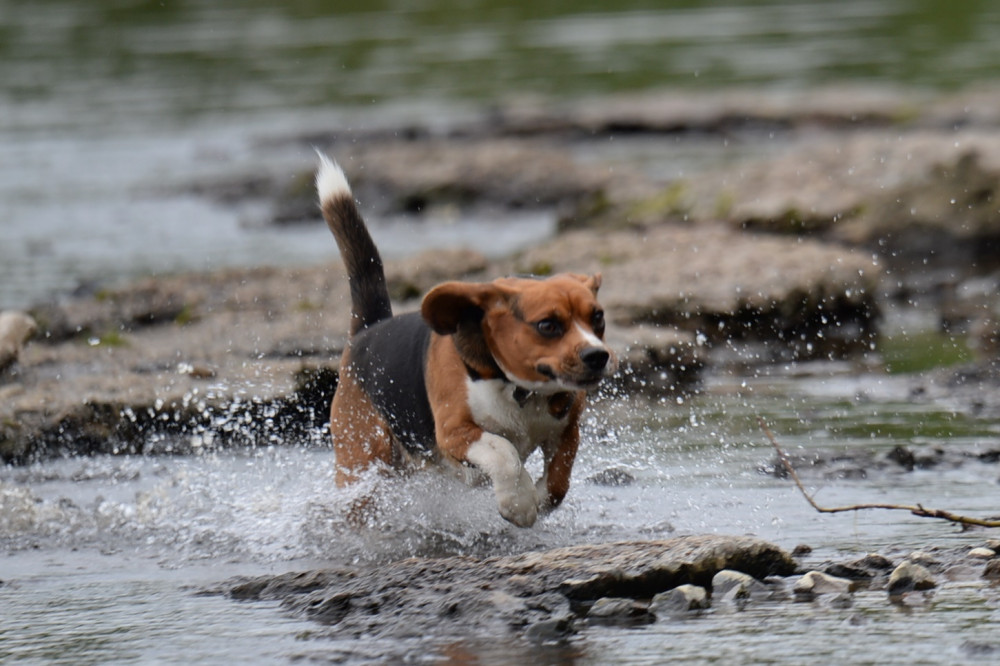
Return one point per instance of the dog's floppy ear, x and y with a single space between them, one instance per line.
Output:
448 305
591 282
594 282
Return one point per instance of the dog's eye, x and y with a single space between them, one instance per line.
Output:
597 322
549 328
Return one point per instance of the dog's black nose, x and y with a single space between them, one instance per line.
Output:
595 358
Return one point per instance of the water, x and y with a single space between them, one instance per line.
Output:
109 113
105 555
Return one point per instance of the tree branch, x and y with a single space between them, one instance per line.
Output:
916 510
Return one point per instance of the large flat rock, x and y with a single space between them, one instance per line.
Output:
467 597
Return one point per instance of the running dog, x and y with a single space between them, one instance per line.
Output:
482 376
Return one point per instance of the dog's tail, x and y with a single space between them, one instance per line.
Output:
369 294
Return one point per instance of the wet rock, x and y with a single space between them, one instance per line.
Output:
538 595
982 553
815 583
841 601
921 196
549 631
806 299
281 586
412 277
731 585
992 570
612 477
924 559
618 611
656 360
979 649
960 572
903 457
682 599
908 577
848 572
873 563
16 328
96 381
413 176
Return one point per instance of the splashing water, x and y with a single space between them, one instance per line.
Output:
119 543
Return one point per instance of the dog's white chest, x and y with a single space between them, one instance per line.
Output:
527 426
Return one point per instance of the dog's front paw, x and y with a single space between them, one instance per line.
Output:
520 504
515 491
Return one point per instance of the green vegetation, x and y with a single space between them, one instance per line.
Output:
921 351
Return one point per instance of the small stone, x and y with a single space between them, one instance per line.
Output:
959 572
979 649
909 576
16 328
612 477
195 371
548 631
801 550
982 553
843 600
729 584
993 544
923 559
615 609
817 582
992 570
873 561
902 456
848 571
681 599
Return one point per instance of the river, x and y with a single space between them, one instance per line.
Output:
106 555
110 110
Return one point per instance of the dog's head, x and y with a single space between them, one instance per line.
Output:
544 335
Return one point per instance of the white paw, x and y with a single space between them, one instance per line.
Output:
515 491
519 505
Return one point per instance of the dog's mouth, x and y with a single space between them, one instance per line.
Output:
585 381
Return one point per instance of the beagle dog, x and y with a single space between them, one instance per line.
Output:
482 376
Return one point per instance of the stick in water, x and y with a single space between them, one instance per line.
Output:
916 510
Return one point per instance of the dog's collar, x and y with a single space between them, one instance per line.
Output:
520 395
559 403
491 371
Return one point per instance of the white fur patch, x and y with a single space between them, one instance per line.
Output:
516 496
526 426
331 183
589 337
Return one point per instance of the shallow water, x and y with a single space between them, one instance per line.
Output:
110 111
99 549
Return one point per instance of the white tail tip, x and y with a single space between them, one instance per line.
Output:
330 180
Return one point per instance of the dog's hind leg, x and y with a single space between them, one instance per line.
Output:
361 437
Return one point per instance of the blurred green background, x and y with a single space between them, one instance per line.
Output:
101 60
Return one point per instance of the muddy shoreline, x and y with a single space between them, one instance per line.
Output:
785 257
